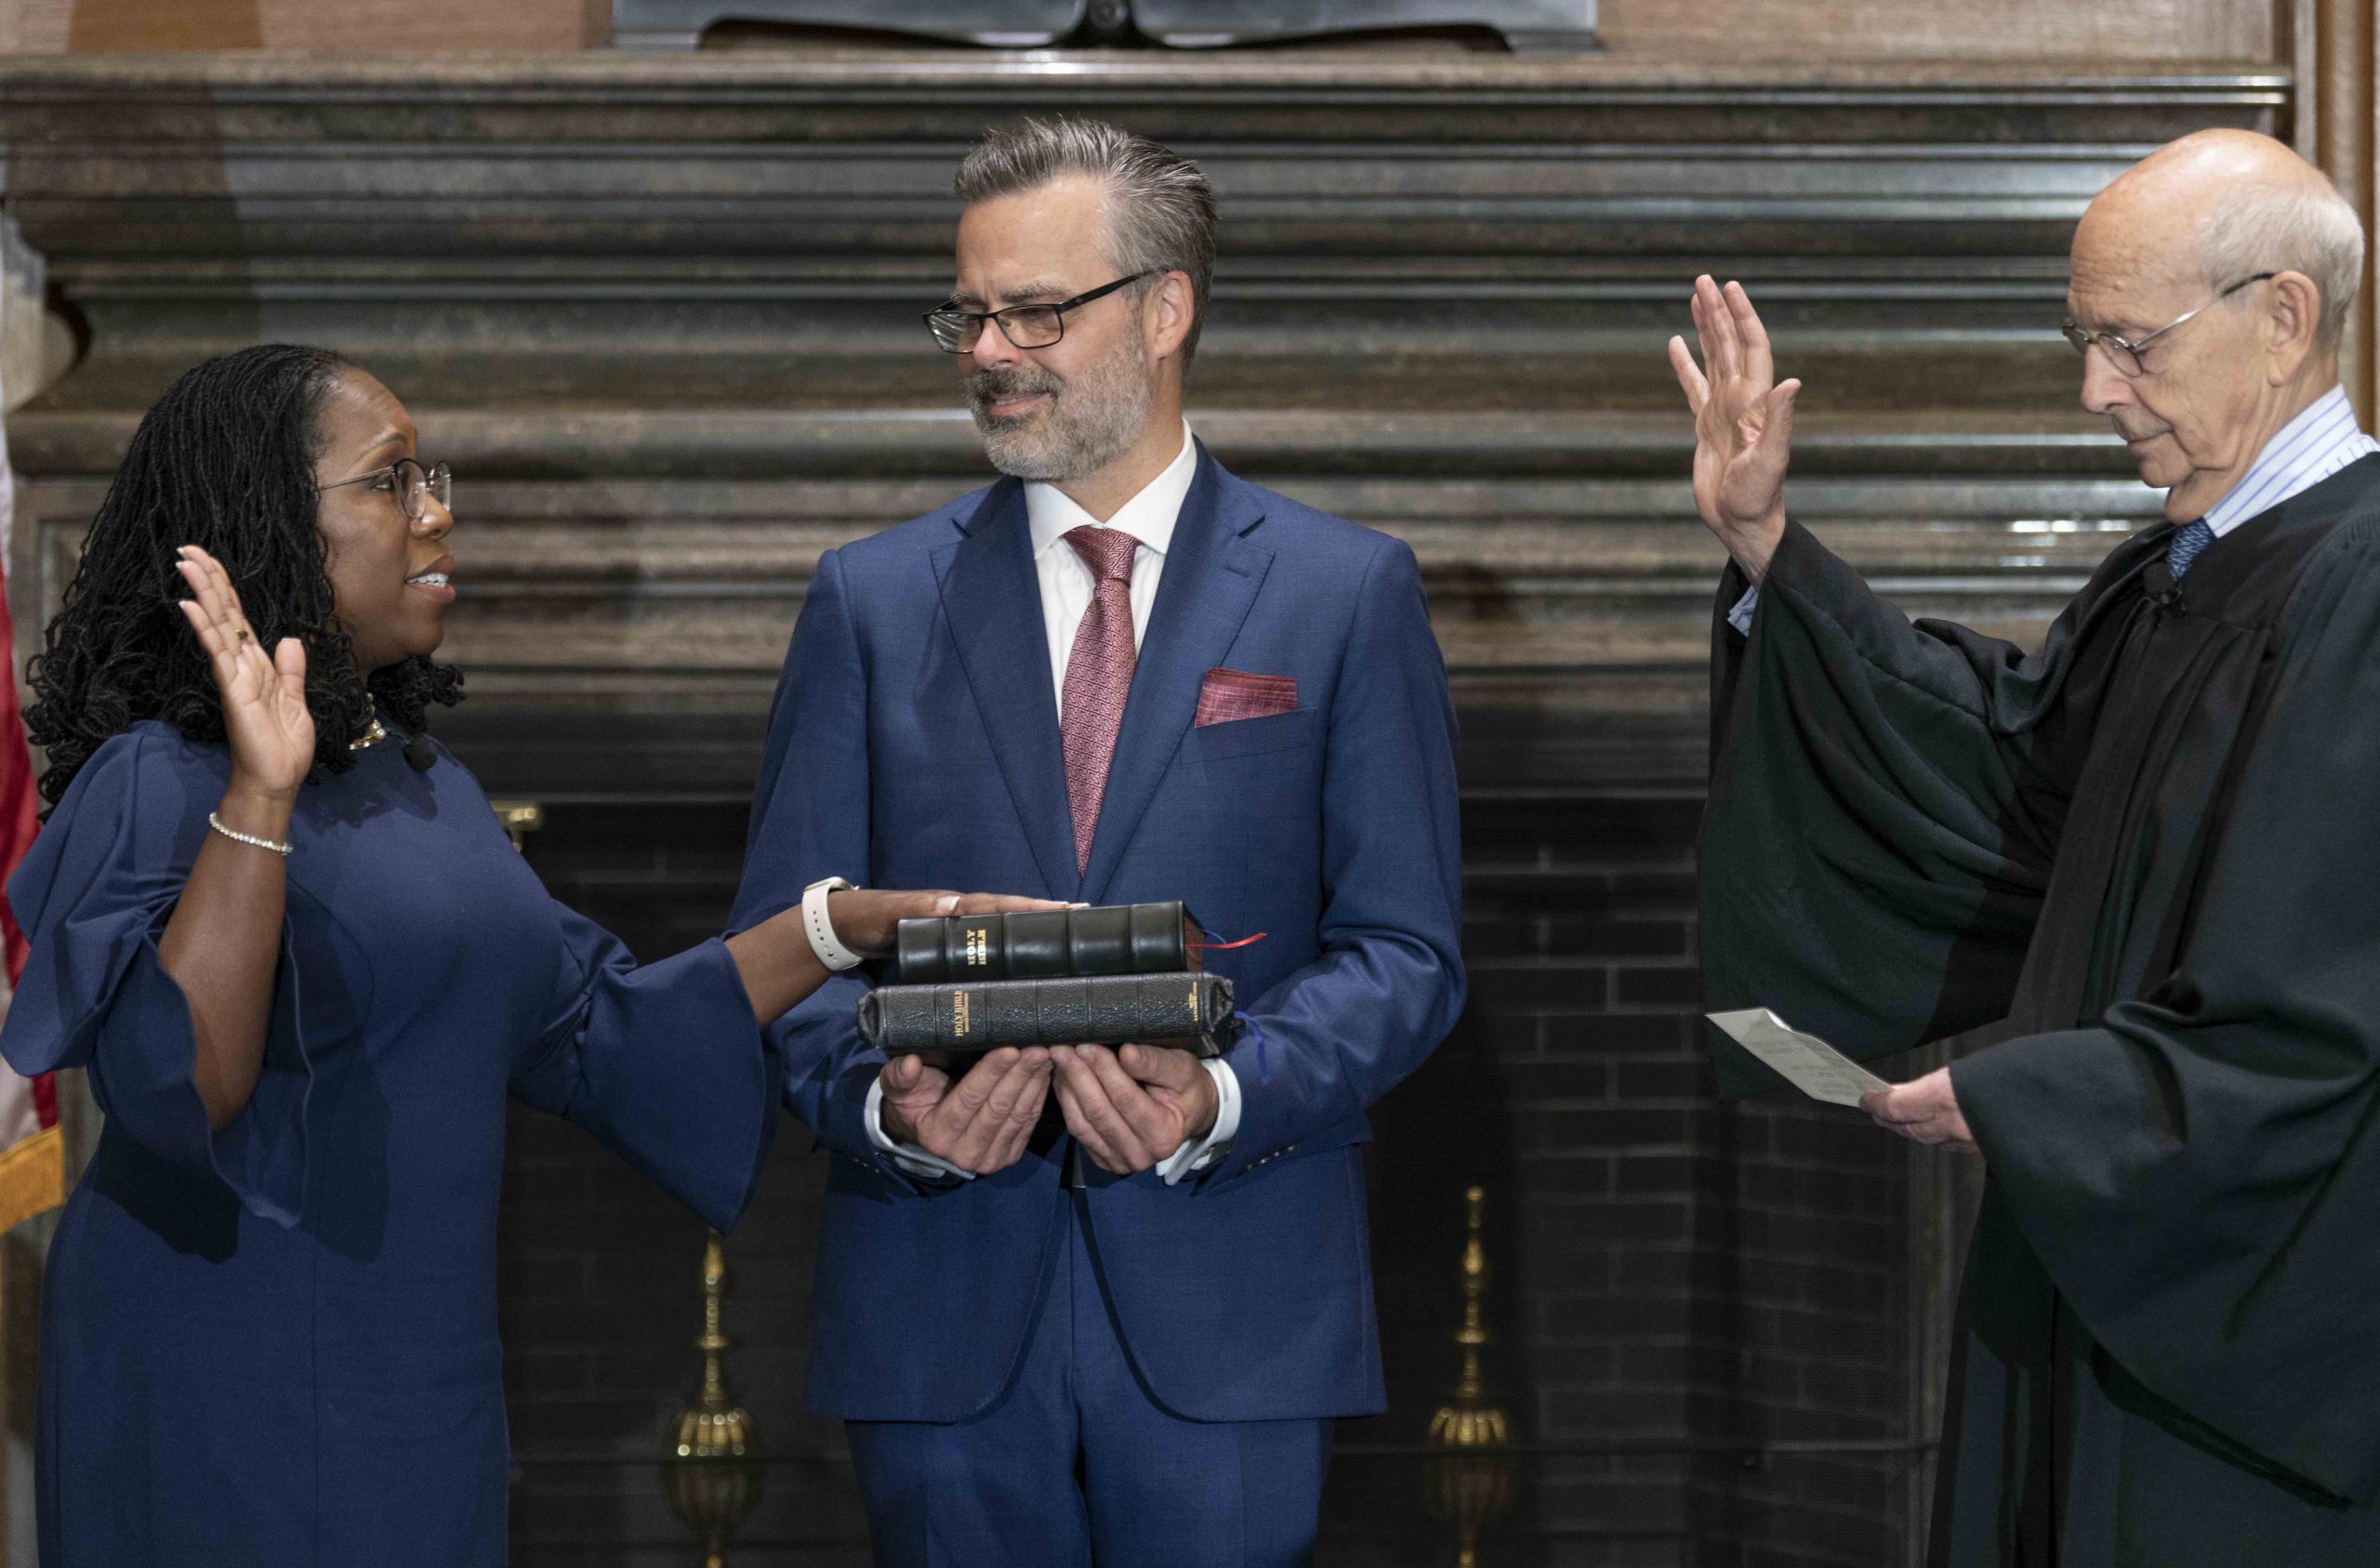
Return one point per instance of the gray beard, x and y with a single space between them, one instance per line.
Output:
1087 424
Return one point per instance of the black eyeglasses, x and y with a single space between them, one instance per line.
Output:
2125 355
1028 326
410 483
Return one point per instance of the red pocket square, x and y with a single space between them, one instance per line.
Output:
1228 694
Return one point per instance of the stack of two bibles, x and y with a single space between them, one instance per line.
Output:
1094 976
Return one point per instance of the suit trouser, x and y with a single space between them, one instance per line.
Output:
1075 1464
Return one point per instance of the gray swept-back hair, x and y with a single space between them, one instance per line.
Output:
2271 228
1161 210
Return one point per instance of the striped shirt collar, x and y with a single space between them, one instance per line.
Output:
2307 450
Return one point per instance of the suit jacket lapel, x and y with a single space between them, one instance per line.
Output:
1212 572
993 602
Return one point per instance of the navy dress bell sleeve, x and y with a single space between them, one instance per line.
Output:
94 895
664 1062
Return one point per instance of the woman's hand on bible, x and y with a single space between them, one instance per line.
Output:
265 717
865 918
1743 424
1924 1110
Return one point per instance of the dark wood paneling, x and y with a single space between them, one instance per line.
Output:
2166 29
413 27
1833 29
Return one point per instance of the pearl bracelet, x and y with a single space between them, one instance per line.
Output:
238 837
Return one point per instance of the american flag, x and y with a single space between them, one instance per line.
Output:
33 1153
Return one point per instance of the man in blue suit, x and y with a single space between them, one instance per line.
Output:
1118 1334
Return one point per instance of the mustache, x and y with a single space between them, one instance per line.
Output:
982 386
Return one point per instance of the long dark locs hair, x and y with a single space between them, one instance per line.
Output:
225 461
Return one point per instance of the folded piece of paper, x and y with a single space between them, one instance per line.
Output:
1804 1060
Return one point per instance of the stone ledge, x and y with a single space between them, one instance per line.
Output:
223 76
560 443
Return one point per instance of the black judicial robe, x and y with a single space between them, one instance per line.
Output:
2134 879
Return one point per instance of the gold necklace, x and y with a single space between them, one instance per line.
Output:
372 736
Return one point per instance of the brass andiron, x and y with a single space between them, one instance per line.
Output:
712 1478
1468 1420
1471 1483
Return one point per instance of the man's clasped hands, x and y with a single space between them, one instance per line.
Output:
1129 1107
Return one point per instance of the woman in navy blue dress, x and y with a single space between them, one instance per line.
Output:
305 969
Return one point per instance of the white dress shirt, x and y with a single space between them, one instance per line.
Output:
1067 582
1067 588
2323 439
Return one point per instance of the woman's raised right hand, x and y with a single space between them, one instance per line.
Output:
265 717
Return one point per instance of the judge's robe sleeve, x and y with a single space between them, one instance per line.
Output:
1885 799
2200 1174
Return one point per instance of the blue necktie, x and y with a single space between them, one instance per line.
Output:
2190 541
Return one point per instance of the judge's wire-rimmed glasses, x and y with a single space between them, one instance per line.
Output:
409 482
1026 327
2125 354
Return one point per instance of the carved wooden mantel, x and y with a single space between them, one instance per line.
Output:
661 315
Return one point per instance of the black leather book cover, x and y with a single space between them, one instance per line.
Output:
1113 939
1189 1011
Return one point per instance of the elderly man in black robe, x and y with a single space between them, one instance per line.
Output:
2133 879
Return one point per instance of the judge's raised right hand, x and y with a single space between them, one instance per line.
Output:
979 1123
1743 424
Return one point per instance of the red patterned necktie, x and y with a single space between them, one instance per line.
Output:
1099 673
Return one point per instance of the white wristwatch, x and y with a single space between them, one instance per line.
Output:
831 953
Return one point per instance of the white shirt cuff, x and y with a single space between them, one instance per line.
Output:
1741 616
1192 1158
908 1157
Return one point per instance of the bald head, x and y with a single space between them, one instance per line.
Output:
2219 206
2213 161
